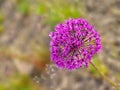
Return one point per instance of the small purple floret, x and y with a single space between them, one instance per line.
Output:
74 43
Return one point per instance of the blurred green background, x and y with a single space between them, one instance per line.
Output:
24 44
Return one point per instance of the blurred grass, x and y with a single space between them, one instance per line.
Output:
18 82
1 29
1 17
56 11
99 65
23 6
53 11
1 21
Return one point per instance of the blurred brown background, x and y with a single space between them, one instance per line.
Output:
24 44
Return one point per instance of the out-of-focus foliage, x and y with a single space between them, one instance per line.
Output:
1 20
118 89
23 6
99 65
1 17
1 29
18 82
55 11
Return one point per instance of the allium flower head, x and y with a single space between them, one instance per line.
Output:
73 44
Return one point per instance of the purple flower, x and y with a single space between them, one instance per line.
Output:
74 43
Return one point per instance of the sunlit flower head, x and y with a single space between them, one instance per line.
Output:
73 44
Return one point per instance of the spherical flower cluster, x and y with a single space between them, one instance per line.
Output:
74 43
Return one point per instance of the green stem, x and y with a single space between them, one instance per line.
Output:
104 77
